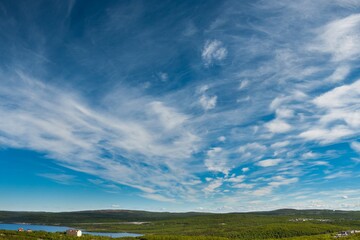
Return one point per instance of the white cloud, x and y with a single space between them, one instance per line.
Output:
339 115
213 185
242 100
105 185
243 84
284 113
163 76
208 102
276 182
269 162
355 146
252 147
263 191
243 185
236 179
340 38
294 96
245 169
252 151
59 178
280 181
339 174
310 155
203 88
340 97
278 126
169 117
61 125
157 197
213 51
217 161
320 163
280 144
221 139
327 135
339 74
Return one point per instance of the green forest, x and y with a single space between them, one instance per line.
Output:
281 224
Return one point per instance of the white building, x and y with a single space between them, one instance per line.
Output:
74 232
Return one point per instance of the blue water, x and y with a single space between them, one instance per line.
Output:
46 228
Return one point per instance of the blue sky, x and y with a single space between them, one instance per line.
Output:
179 105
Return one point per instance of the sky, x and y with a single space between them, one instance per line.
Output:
204 105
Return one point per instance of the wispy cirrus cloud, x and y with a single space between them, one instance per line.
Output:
356 146
339 105
213 51
269 162
278 126
59 178
230 105
217 160
340 38
43 118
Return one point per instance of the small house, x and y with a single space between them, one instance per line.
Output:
74 232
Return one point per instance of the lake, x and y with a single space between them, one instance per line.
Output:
46 228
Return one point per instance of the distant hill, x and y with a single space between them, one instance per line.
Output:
91 216
313 212
107 216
